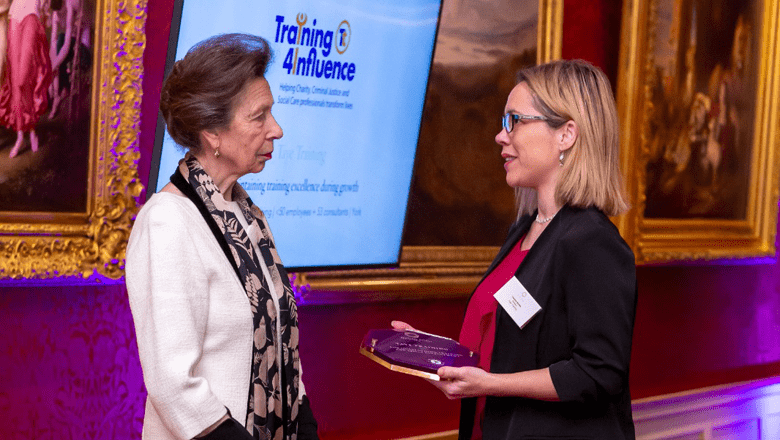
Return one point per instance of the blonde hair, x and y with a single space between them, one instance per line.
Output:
575 90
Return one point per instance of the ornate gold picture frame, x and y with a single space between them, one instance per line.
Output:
698 97
89 242
427 272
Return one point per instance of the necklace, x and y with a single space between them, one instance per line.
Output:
543 220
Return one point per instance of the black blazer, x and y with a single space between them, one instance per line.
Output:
583 275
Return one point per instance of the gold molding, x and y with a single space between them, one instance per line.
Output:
425 272
49 244
657 240
549 40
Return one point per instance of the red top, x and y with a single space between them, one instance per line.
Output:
479 326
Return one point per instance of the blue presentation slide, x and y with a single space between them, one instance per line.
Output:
349 81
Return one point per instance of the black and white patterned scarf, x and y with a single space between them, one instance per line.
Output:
273 394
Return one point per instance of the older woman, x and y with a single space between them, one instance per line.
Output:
561 372
214 313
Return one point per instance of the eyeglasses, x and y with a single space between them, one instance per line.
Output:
509 120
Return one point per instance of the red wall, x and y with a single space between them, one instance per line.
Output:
69 367
591 31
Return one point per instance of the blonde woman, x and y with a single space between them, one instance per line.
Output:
561 371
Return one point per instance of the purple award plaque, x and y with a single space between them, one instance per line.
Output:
414 352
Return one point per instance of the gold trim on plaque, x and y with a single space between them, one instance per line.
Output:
406 370
444 435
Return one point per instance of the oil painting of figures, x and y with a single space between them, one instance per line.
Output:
46 51
701 109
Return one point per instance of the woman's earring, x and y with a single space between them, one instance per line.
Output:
560 159
216 152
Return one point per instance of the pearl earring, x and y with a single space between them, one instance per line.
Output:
560 159
216 152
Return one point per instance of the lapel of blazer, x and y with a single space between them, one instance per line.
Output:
536 262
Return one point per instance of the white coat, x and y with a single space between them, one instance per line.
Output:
192 319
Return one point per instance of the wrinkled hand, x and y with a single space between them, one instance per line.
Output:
400 325
457 383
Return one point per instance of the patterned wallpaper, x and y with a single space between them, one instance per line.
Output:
69 365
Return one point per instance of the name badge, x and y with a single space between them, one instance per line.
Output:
516 300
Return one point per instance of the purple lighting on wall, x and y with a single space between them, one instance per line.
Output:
69 364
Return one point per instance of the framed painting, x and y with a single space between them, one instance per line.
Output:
69 121
698 102
458 170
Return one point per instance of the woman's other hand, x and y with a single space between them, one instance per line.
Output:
457 383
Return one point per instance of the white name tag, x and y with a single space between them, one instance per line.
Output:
516 300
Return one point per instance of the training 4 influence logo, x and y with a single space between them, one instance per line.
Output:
308 63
